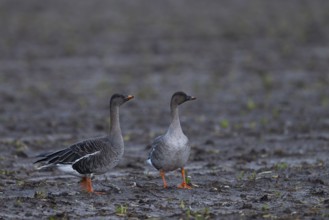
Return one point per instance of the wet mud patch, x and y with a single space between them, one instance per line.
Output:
258 130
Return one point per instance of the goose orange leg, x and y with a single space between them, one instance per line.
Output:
87 185
184 185
162 174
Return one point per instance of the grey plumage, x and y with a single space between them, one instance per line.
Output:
169 153
92 156
171 150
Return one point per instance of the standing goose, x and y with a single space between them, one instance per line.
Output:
91 156
171 150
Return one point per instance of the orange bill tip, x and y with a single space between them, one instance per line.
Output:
130 97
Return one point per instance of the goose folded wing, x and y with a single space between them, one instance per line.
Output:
92 158
82 150
73 153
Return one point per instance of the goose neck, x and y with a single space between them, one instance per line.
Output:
115 128
175 122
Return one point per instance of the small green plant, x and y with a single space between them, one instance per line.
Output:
275 113
240 176
252 176
270 216
121 210
224 123
251 105
264 121
18 144
198 215
202 214
187 178
277 194
267 81
281 166
182 204
127 137
18 203
190 214
82 102
7 172
324 101
319 162
40 195
20 182
237 126
265 207
252 124
206 211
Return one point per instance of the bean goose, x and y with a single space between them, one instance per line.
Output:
171 150
91 156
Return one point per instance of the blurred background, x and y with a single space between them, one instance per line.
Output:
255 66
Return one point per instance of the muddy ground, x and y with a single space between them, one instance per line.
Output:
259 129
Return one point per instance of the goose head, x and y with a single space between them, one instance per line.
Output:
181 97
118 99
